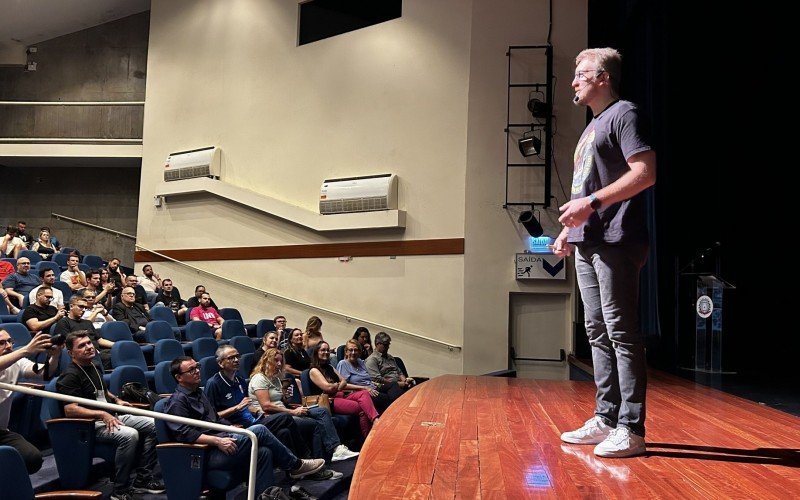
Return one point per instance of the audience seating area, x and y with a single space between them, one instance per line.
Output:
72 441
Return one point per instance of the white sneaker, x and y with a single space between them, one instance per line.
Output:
342 452
594 431
620 443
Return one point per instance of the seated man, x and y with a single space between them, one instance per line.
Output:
48 277
74 277
383 368
150 282
132 313
205 312
134 436
131 281
95 286
74 322
230 451
171 297
13 365
194 301
40 315
21 282
95 311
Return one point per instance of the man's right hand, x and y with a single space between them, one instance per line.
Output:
112 422
300 411
39 343
560 247
226 445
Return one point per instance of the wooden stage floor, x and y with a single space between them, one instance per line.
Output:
484 437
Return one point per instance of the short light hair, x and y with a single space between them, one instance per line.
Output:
220 353
607 59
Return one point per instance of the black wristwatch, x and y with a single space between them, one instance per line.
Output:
594 202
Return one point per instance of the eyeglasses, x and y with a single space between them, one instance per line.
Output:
233 357
583 75
352 350
194 369
6 342
49 298
128 293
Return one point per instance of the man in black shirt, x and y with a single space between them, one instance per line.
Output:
73 322
40 316
132 313
83 379
171 297
229 451
193 302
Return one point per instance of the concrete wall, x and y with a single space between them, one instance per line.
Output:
104 63
104 196
422 96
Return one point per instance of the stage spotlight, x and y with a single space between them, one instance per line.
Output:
530 223
529 145
538 108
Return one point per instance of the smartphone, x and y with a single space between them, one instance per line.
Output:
312 406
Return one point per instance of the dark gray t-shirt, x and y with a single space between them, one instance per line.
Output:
609 140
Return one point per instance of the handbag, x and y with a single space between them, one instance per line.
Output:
321 400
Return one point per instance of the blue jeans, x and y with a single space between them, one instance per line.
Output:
608 278
136 445
270 451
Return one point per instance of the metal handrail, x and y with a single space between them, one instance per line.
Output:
95 226
265 293
251 483
71 103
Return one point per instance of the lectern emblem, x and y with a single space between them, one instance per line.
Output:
705 306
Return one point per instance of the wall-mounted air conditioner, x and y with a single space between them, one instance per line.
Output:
203 162
358 194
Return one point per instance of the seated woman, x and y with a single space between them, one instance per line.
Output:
327 380
297 358
353 369
43 246
270 342
266 388
364 341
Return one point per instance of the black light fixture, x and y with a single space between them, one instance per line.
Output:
530 223
538 108
529 145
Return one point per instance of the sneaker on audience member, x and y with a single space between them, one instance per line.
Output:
594 431
307 467
148 485
300 493
621 443
325 474
122 495
274 493
342 452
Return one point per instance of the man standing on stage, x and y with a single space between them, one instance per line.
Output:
606 221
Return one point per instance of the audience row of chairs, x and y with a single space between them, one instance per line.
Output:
59 258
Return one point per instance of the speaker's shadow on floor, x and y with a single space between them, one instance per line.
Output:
787 457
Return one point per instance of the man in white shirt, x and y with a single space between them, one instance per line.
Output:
13 365
151 283
73 276
48 278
